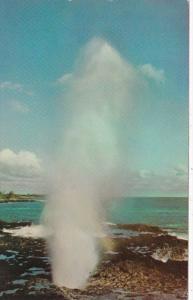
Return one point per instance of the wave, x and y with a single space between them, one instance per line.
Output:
110 224
168 253
114 230
29 231
179 235
36 231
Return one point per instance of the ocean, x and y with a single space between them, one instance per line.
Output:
170 213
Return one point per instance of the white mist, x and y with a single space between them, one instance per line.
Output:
85 172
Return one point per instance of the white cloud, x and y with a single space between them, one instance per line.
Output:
64 78
12 86
24 164
146 182
153 73
8 85
19 106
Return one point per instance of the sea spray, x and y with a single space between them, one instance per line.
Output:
88 164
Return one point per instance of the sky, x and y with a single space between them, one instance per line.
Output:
42 45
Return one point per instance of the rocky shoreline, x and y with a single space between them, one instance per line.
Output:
148 265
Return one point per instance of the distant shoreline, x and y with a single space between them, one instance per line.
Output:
18 200
11 198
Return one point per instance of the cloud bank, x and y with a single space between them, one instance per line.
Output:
21 164
20 171
147 182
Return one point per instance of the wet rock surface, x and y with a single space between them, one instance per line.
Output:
150 265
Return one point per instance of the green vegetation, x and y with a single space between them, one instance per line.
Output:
11 197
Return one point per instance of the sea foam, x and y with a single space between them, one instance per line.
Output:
32 231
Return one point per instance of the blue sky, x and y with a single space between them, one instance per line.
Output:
41 41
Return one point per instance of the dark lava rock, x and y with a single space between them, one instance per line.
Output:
128 270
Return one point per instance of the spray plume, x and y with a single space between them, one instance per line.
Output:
97 97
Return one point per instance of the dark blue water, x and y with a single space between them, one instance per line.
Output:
21 211
169 213
166 212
